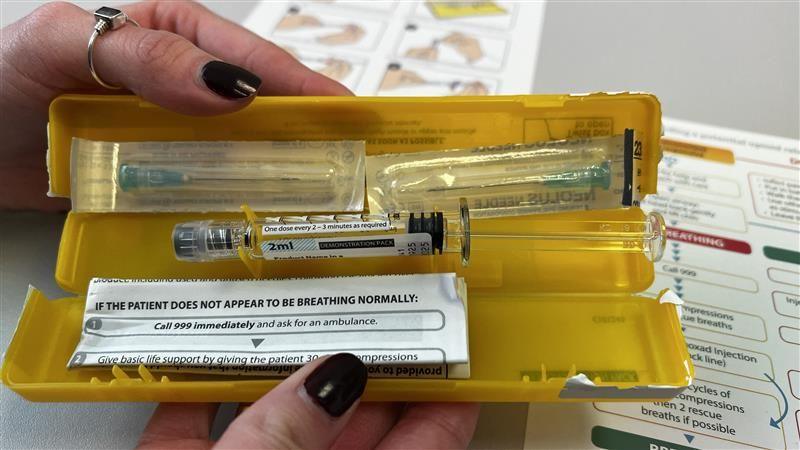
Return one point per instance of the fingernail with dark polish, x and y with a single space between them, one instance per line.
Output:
229 81
337 383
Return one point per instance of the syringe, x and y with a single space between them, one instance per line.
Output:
406 234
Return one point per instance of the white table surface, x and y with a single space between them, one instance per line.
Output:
728 64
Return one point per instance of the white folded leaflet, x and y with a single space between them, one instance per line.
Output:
399 325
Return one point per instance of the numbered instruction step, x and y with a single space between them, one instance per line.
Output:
711 409
246 326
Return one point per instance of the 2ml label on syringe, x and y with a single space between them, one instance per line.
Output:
351 246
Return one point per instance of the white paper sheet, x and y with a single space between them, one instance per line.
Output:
270 326
734 229
418 48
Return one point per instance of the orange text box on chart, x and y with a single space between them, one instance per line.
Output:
706 152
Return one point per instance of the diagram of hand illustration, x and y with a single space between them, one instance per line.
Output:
430 53
294 21
345 34
470 88
397 77
332 67
350 34
466 46
336 68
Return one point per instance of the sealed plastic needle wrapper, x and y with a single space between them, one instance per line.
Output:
406 234
217 176
509 180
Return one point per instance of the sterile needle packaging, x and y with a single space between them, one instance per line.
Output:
508 180
217 176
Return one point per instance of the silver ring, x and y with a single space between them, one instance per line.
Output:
108 19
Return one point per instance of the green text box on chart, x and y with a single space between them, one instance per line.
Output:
611 439
782 254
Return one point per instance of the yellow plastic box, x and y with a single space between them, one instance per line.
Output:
544 325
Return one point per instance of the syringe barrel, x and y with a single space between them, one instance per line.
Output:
316 237
646 236
401 234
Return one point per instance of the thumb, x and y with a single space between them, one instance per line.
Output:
307 410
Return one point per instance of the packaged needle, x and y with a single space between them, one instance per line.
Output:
217 176
508 180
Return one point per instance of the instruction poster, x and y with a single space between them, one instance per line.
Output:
398 48
731 201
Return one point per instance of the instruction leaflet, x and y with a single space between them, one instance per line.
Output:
410 325
410 48
731 201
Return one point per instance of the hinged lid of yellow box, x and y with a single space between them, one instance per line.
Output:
544 325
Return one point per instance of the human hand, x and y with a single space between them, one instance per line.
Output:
317 407
173 60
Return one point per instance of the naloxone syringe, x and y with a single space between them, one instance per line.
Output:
405 234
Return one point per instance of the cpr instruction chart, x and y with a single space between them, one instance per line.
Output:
417 48
399 325
731 201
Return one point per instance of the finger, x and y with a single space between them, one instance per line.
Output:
168 69
433 425
369 424
159 66
179 425
281 73
307 410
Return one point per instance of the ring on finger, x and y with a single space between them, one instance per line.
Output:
108 19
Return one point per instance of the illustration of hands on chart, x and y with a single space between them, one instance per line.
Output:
731 200
402 48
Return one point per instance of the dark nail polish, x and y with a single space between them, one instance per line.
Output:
229 81
337 383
